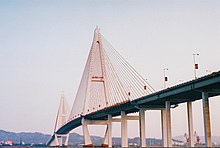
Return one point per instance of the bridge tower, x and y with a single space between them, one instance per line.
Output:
62 118
108 80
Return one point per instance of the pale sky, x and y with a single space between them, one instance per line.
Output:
44 46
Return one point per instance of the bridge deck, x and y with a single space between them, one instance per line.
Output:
189 91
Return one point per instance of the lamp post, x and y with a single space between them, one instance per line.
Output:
165 77
196 66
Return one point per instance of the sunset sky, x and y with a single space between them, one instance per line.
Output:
44 45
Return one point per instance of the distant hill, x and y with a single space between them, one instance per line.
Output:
24 136
35 138
76 139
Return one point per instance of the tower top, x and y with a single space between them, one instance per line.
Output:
107 80
97 29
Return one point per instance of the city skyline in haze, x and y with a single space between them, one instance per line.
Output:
44 46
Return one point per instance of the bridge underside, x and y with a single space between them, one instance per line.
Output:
186 92
189 91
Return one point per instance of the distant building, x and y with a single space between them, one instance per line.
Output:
177 142
1 142
9 142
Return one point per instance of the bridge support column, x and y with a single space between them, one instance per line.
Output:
168 124
59 139
108 133
163 126
106 140
206 118
109 130
67 140
142 128
87 138
190 124
124 135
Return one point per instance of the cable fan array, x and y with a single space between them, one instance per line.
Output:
62 114
108 79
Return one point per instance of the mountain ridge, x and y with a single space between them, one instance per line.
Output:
77 139
74 138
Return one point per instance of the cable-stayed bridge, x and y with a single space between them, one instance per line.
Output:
110 87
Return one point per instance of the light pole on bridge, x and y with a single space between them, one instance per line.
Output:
196 66
165 77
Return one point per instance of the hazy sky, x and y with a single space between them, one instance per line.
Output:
44 45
